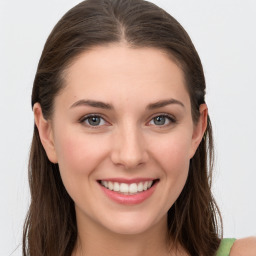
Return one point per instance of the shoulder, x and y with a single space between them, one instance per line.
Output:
244 247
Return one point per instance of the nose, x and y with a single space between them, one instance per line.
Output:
129 147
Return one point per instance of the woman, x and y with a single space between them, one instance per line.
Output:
122 151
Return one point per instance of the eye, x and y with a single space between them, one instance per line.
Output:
162 120
93 120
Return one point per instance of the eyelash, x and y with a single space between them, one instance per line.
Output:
170 118
86 118
83 120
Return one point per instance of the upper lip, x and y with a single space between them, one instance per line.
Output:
128 181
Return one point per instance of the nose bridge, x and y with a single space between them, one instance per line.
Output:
129 146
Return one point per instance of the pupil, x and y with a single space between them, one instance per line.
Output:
94 120
159 120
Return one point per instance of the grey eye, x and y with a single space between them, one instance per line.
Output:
160 120
94 121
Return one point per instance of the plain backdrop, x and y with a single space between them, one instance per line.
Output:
223 32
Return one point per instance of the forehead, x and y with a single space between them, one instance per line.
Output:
122 58
107 72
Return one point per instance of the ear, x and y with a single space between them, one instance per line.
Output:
45 132
199 129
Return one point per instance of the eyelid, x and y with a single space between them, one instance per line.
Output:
84 118
171 118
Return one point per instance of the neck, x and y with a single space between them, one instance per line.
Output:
93 239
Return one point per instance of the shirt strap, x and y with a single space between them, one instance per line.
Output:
225 246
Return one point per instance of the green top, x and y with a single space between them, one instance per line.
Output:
225 246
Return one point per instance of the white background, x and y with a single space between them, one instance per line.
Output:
224 34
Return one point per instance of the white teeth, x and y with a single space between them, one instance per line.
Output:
150 183
127 188
124 188
110 185
133 188
140 187
145 186
116 186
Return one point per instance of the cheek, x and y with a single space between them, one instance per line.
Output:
79 154
173 153
176 166
172 156
78 158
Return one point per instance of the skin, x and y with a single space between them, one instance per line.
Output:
244 247
127 143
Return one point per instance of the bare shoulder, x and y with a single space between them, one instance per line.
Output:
244 247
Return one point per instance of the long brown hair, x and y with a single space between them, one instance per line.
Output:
50 227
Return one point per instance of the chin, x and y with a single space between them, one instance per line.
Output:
133 225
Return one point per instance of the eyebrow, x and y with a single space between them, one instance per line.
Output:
100 104
92 103
163 103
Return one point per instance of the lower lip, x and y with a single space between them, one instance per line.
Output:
129 199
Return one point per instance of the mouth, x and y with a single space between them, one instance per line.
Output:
128 188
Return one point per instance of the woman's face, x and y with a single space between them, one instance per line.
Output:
122 135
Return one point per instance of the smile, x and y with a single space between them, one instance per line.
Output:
125 188
128 192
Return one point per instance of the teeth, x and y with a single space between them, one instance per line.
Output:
127 188
109 185
140 187
133 188
150 183
116 186
124 188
